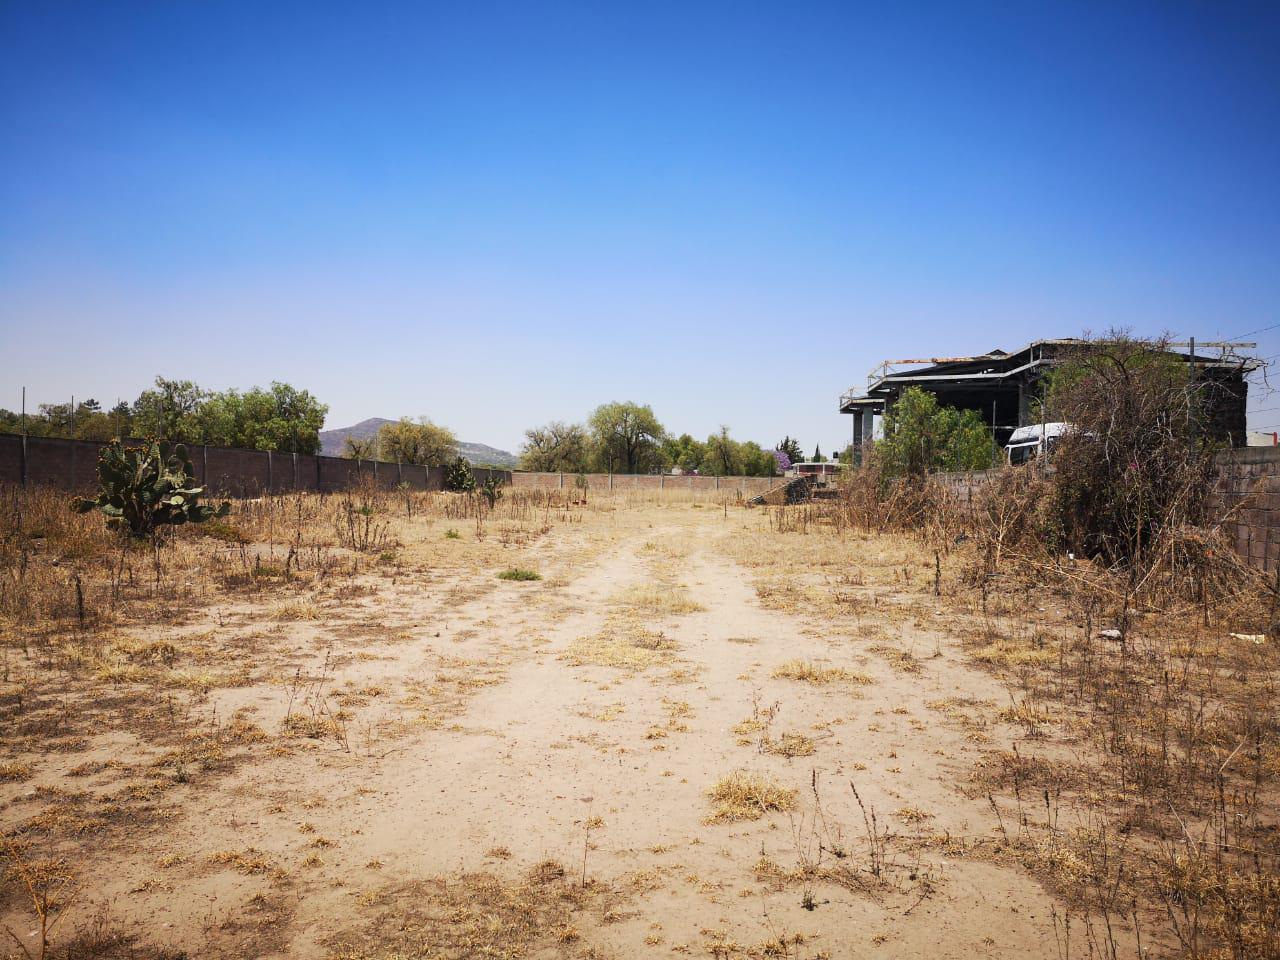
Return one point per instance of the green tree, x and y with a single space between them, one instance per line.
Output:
683 452
169 411
723 458
757 461
556 448
817 455
283 419
627 438
420 442
921 437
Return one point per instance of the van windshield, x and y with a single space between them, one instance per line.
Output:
1022 452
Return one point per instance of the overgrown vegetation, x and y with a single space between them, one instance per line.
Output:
922 437
1163 660
144 488
1136 468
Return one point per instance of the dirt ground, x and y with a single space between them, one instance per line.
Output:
694 735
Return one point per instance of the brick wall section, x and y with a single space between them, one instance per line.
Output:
11 454
228 472
748 486
1249 485
964 484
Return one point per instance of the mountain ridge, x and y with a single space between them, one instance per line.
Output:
333 443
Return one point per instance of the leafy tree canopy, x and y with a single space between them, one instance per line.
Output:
417 442
627 438
556 448
282 418
921 437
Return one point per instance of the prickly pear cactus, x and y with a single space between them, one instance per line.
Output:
491 490
142 488
458 476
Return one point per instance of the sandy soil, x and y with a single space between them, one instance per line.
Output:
451 764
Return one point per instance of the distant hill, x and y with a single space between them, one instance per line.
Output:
334 442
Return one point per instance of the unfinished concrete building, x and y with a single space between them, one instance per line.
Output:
1001 386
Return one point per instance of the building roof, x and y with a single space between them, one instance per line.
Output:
989 369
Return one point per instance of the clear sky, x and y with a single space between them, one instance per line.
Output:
500 214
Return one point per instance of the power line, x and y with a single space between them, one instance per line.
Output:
1252 332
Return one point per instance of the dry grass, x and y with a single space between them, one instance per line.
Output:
658 599
476 915
748 795
790 745
623 644
1172 735
1172 776
807 671
249 861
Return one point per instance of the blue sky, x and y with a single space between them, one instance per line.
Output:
500 214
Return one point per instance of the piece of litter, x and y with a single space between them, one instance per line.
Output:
1109 634
1252 637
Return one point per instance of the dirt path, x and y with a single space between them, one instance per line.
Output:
534 747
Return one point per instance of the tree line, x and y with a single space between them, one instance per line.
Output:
626 437
617 437
280 418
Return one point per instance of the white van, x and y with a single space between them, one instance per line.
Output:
1037 440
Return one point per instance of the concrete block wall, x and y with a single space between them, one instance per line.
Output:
1249 487
964 484
226 471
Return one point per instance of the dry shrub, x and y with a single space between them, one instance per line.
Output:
1127 512
809 672
1138 461
748 795
360 523
869 499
